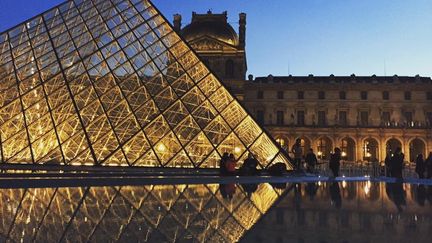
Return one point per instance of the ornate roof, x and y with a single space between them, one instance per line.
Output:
210 25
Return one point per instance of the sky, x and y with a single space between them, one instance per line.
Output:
302 37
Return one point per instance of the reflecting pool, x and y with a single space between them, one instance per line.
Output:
348 212
341 211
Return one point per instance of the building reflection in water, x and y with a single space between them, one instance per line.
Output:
163 213
348 212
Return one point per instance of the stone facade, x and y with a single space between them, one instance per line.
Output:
368 117
365 116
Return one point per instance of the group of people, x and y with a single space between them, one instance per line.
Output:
310 158
424 166
228 164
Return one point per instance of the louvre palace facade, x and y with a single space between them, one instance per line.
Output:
366 116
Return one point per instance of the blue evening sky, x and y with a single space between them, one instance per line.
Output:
319 37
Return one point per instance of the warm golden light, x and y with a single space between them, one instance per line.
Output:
161 148
366 188
161 199
344 154
82 101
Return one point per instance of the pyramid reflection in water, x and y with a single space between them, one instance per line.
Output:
110 83
169 213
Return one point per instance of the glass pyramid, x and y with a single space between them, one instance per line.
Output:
152 213
108 82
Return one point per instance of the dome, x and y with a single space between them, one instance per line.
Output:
212 25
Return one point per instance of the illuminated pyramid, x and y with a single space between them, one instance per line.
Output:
159 213
110 83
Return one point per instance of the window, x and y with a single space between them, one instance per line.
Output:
260 117
321 95
342 95
300 95
364 118
408 116
385 95
385 118
321 118
429 95
260 94
300 118
363 95
279 118
429 118
343 118
229 69
407 95
280 95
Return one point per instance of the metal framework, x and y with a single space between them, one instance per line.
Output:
161 213
108 82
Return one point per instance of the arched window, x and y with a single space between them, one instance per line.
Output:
229 69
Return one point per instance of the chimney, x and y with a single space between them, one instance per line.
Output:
242 29
177 22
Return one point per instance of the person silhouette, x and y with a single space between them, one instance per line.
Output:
420 167
396 163
311 161
231 165
421 195
334 162
311 189
428 164
297 150
222 164
396 193
335 195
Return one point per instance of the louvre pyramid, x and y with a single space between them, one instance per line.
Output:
97 82
160 213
